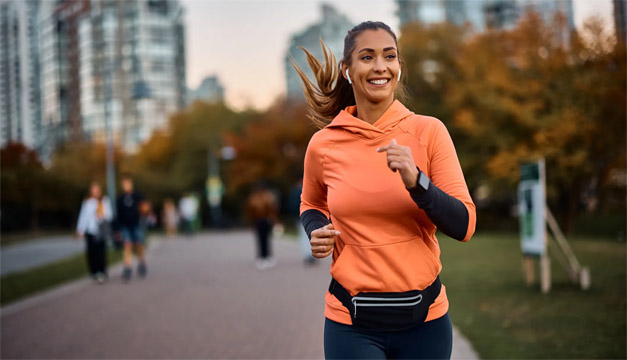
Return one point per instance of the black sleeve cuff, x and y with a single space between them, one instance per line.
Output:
446 212
313 219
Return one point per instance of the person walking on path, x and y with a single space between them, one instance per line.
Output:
378 181
128 219
188 206
170 217
261 211
94 225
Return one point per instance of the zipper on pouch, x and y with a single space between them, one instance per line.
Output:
377 302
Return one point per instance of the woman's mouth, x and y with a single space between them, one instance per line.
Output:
379 82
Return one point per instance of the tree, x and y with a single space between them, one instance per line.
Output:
524 94
175 160
20 177
271 148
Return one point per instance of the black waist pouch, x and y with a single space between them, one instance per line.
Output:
387 311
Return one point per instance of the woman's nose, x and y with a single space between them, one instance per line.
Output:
379 66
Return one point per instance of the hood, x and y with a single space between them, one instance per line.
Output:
387 122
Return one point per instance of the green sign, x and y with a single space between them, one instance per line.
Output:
531 208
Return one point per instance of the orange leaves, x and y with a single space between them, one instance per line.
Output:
272 147
537 90
465 119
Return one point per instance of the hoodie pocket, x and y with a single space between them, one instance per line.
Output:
396 267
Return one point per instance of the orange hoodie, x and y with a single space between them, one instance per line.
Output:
387 244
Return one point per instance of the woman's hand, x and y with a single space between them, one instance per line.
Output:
400 158
322 241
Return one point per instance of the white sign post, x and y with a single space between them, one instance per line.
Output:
532 215
531 209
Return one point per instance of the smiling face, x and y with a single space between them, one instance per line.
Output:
374 66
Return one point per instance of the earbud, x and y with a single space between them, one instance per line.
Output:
348 77
399 74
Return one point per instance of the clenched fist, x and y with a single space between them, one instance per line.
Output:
322 241
400 158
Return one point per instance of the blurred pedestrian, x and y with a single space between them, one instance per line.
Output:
94 225
128 219
303 239
378 182
261 211
147 218
170 217
188 207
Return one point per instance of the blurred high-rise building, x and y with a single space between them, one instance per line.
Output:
20 110
482 14
209 90
60 71
430 12
128 56
332 29
500 14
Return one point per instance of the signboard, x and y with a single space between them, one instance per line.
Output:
215 190
531 208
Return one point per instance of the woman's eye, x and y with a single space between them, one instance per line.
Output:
391 56
367 57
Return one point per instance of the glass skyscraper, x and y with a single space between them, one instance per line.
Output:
20 110
481 14
128 56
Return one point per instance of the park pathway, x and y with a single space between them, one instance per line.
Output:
29 254
203 298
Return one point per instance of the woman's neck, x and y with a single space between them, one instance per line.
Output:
371 112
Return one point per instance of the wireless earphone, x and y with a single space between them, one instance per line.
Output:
399 74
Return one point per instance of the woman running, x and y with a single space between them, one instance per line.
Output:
378 181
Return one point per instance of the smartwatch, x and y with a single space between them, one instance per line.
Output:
422 183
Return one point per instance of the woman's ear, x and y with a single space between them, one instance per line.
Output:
346 73
343 69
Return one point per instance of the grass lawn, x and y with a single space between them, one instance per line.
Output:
503 318
18 285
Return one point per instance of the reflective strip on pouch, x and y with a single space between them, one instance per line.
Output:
390 302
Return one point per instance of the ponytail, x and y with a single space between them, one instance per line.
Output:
331 93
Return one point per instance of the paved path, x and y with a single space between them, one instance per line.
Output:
33 253
203 298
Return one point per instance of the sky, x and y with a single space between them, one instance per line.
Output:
244 42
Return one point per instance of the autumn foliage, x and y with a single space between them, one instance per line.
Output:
534 91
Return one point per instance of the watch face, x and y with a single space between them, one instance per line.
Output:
423 181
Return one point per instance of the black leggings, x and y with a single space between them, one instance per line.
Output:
96 252
430 340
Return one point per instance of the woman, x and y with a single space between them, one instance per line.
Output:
93 224
378 181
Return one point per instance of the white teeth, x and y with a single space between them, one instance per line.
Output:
378 82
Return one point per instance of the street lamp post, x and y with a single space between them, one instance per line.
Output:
214 185
109 135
